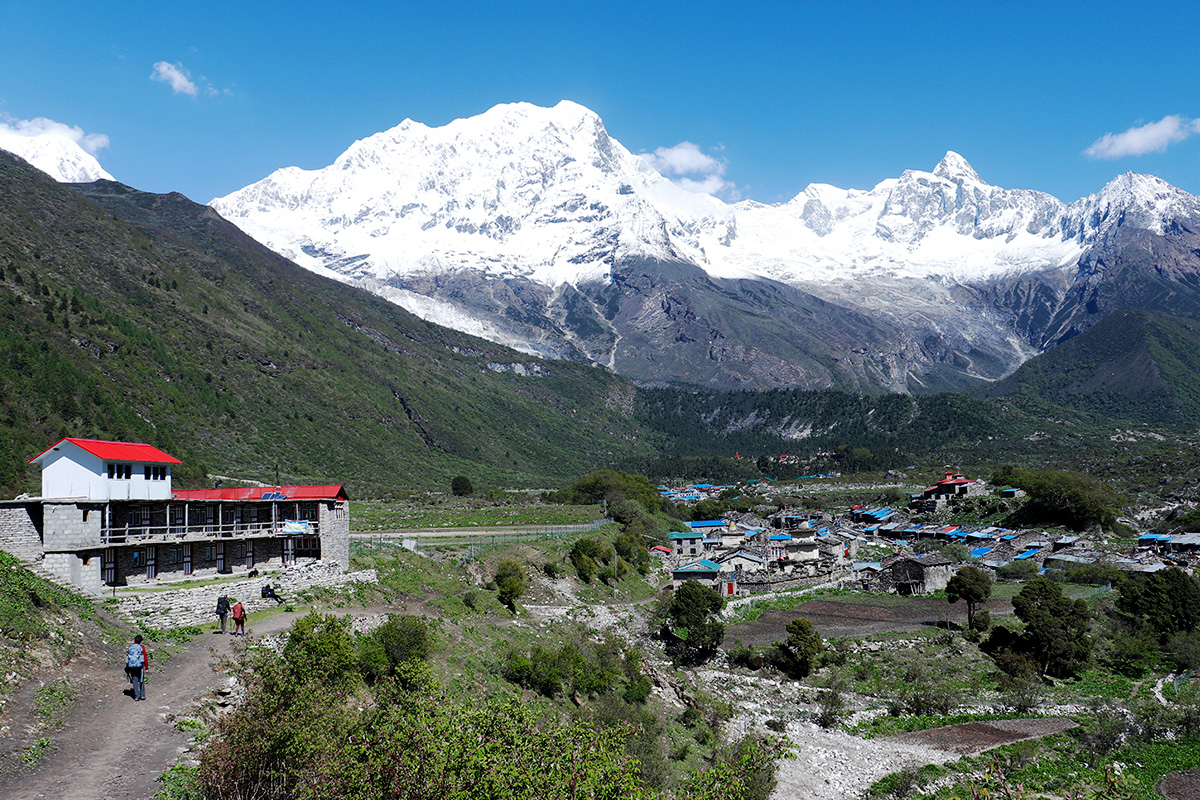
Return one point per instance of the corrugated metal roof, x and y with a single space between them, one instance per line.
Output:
703 565
331 491
117 451
689 535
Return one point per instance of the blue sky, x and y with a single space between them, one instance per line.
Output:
205 98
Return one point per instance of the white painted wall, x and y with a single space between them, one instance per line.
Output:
70 471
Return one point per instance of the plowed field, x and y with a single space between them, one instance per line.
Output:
859 615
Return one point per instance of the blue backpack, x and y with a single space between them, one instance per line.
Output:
135 657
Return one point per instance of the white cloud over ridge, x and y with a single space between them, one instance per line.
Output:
1153 137
11 127
176 75
690 168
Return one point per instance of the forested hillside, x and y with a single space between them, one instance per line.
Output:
146 317
1142 366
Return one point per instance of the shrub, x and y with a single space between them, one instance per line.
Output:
510 581
461 486
801 648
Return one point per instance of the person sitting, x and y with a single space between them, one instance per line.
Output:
269 591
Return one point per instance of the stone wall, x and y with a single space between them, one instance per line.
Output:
761 587
80 571
335 531
197 606
70 527
19 533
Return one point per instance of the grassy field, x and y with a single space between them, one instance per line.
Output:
400 515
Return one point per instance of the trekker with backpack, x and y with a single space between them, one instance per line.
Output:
222 610
239 619
136 662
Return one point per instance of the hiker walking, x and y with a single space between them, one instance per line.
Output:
239 619
222 610
136 662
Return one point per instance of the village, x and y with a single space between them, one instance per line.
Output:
879 548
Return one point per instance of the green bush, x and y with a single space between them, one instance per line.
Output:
510 581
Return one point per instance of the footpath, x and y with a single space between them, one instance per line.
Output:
110 747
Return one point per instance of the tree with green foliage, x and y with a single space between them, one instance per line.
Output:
1162 603
1070 498
587 555
801 648
461 486
611 486
398 641
745 771
972 585
510 580
693 635
1056 628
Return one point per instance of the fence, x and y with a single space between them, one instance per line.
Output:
481 540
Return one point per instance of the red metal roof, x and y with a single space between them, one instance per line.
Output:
331 491
116 451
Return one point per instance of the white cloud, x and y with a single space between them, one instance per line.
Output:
40 126
694 170
684 158
176 75
1153 137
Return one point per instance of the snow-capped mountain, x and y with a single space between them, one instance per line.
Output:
57 155
533 227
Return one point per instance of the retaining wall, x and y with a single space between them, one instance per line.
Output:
197 606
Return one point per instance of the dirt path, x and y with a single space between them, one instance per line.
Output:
110 747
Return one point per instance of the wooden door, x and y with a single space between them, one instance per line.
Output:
110 566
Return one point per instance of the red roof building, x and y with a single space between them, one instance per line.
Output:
108 517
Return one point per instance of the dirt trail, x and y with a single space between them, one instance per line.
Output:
111 747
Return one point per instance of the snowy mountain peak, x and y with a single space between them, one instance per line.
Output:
520 190
55 149
455 220
955 168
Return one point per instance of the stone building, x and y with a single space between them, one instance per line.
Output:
108 516
910 574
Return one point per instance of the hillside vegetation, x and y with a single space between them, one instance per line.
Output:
128 315
1142 366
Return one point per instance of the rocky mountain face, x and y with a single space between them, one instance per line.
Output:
532 227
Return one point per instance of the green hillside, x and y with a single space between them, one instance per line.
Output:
148 317
1141 366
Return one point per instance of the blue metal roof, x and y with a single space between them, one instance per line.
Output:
1027 554
708 523
703 565
979 552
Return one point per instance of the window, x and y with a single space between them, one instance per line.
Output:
153 473
139 557
177 555
119 472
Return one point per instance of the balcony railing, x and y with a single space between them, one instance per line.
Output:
166 534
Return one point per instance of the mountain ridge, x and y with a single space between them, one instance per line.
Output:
148 317
523 225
